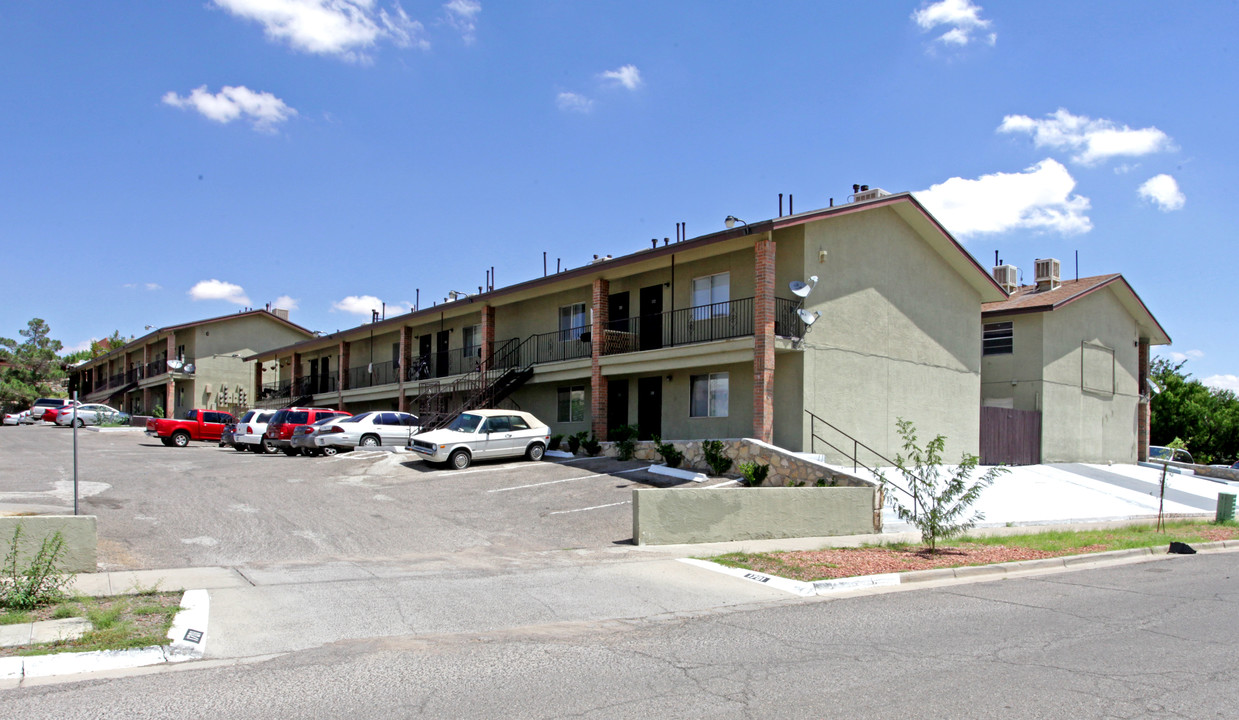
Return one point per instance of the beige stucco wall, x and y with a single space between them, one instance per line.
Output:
1014 379
899 336
697 515
79 532
676 423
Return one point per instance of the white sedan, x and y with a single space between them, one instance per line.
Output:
482 435
368 429
90 415
16 418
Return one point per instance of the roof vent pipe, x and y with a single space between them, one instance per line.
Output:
790 210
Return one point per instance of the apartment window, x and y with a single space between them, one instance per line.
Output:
711 295
572 321
708 395
997 338
571 404
473 340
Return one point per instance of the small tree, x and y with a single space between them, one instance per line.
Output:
939 504
33 365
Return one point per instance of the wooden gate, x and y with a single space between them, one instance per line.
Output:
1010 437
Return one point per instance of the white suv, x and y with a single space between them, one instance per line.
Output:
481 435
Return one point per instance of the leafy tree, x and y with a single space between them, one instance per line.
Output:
939 504
34 365
1207 419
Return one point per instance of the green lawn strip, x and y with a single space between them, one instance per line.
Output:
119 623
1058 542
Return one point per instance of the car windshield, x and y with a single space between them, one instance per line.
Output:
1159 452
466 423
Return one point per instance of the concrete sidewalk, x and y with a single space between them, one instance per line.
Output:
132 582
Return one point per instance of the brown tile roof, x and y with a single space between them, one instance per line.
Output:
1027 299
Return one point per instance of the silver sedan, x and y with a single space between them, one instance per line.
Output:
369 429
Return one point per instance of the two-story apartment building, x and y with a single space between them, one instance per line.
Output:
197 364
700 338
1064 369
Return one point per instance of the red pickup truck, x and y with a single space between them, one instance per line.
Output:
205 425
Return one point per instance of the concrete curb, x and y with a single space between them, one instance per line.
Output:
968 572
187 636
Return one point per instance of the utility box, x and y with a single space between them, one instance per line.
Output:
1225 507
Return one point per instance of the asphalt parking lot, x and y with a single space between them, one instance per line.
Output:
161 507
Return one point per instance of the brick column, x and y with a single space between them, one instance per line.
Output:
406 360
171 353
1143 414
488 334
345 351
763 342
597 382
169 405
146 401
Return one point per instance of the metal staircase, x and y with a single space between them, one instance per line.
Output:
490 383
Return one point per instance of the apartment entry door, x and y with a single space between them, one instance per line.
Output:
313 384
617 311
422 363
441 358
617 404
650 406
651 317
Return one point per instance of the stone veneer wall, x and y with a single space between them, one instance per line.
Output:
784 466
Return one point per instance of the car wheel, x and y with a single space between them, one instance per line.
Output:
166 441
265 447
79 423
534 452
239 447
292 452
328 451
459 459
369 441
180 439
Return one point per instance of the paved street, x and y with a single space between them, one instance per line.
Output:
1152 639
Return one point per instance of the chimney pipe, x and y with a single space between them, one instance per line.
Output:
780 204
543 263
790 209
653 242
855 188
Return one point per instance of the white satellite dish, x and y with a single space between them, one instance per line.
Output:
800 289
174 364
806 317
189 368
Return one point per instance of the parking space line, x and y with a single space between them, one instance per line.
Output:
717 485
596 507
455 473
556 482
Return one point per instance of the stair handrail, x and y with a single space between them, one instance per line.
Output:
856 463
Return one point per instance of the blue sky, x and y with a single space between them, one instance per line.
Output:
165 162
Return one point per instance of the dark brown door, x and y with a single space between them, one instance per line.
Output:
1010 437
422 364
313 384
441 356
651 317
617 404
650 406
617 311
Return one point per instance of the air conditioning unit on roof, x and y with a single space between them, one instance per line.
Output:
868 193
1007 277
1047 274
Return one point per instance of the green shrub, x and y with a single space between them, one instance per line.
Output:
713 451
591 445
754 474
553 443
157 412
671 457
41 581
625 437
574 441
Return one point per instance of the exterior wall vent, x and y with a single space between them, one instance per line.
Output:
1007 277
867 193
1047 274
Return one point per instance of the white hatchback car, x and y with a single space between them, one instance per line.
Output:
368 429
482 435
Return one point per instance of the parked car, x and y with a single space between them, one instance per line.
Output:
42 405
368 429
15 418
1157 452
482 435
228 438
249 431
1235 466
279 431
206 425
302 440
90 414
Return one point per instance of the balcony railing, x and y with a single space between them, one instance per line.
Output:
371 374
134 374
442 364
315 384
116 380
156 367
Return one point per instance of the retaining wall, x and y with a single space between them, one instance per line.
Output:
79 533
785 466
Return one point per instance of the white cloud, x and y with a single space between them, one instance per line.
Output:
153 286
262 109
1092 140
365 304
961 17
285 302
1223 382
344 28
83 345
219 290
1163 191
1181 356
628 76
572 102
1039 198
462 15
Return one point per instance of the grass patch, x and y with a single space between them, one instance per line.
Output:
120 623
15 617
1124 538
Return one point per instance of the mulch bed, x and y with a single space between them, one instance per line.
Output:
145 624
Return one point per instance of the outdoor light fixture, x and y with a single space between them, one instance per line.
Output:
806 317
731 220
802 290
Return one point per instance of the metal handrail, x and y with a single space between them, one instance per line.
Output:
856 463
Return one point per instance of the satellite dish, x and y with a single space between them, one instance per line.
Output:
806 317
174 364
190 368
800 289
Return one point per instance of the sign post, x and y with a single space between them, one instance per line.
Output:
74 425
